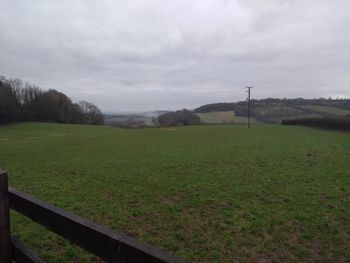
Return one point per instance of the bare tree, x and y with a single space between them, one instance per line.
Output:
91 114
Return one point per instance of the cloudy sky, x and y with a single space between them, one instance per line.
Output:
132 55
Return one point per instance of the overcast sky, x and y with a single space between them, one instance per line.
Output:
137 55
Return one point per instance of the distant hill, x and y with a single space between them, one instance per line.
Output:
273 110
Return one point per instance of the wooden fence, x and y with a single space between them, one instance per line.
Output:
98 240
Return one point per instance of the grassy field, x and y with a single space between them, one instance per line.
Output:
326 109
222 117
206 193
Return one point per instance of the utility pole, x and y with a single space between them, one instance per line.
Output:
249 105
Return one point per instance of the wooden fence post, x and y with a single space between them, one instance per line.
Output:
5 236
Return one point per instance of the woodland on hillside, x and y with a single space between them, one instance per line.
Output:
26 102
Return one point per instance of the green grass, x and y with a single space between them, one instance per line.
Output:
326 109
206 193
221 117
301 116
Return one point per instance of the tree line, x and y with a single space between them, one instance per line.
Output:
339 123
27 102
178 118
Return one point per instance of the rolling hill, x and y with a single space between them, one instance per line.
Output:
273 110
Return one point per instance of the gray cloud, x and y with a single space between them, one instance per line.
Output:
142 55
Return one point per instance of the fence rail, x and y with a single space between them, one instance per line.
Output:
99 240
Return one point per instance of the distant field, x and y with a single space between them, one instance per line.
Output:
220 117
207 193
326 109
302 116
129 120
